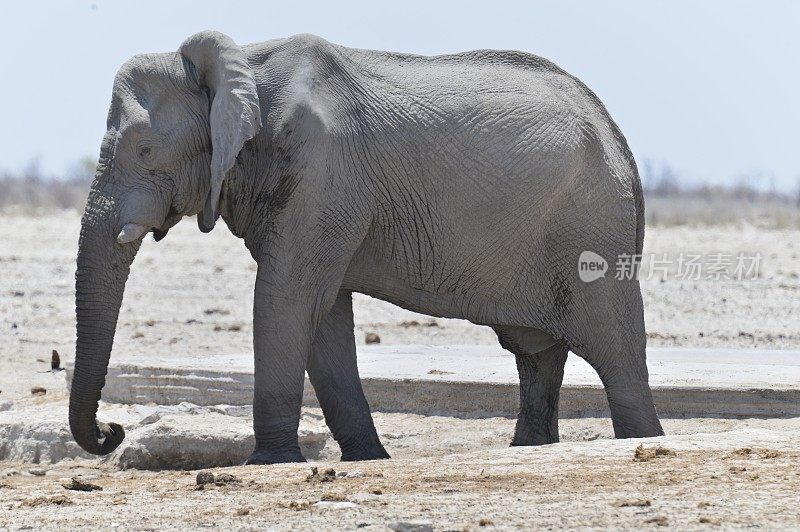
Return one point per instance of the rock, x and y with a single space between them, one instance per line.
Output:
313 438
329 475
355 474
186 442
411 526
184 436
58 500
37 472
362 497
233 410
226 478
38 390
645 454
37 437
205 477
55 361
631 502
78 484
196 441
372 338
335 505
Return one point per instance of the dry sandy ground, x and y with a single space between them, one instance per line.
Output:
193 293
455 474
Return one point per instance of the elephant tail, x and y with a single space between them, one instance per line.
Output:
638 196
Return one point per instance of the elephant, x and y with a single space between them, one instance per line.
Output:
459 186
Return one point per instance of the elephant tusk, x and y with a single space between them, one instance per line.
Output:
131 232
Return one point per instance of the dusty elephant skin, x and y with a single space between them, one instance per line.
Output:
463 186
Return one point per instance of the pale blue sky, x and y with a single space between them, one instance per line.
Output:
710 87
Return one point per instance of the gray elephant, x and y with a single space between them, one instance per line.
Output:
462 186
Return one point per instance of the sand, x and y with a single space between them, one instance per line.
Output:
455 474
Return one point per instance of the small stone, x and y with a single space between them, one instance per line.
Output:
78 484
205 477
5 405
363 497
411 526
58 500
335 505
645 454
485 522
245 510
226 478
329 475
372 338
150 323
632 503
354 474
55 361
37 472
659 520
38 390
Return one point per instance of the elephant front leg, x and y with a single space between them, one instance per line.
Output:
333 372
282 337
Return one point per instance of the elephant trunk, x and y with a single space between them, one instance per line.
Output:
102 270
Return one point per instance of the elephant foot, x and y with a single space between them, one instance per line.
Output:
531 442
265 457
376 452
530 433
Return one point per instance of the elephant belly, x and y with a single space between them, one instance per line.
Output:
449 281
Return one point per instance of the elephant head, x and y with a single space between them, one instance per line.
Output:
175 127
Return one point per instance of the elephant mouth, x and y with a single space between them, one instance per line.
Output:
173 217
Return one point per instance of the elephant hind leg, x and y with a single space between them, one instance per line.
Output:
611 337
540 362
333 371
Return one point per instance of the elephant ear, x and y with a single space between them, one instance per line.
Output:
235 115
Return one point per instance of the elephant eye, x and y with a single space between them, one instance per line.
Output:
144 152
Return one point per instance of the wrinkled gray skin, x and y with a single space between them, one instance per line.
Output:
463 186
